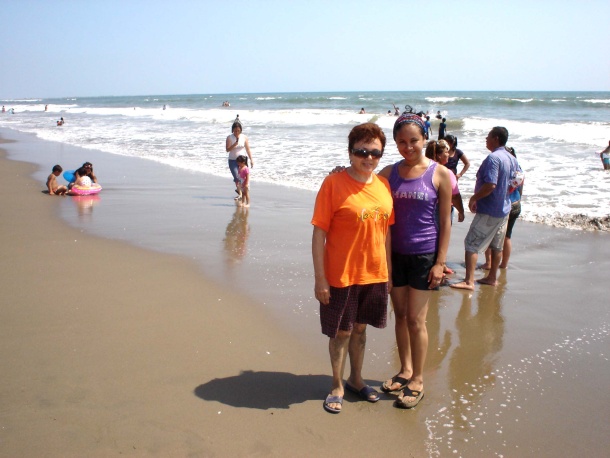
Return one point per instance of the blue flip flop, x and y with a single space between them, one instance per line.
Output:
330 399
365 393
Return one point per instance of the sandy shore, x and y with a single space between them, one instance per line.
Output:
111 348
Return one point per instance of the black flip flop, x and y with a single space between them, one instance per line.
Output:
396 379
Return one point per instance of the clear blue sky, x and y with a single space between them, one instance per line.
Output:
57 48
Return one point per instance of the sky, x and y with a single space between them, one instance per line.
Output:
62 48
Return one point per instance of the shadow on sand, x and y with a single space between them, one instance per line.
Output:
265 390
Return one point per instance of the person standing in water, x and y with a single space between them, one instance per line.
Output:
605 157
236 144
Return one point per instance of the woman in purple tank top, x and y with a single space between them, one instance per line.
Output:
419 251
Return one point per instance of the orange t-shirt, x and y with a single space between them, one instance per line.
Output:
356 217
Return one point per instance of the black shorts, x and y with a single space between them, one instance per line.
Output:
412 270
363 304
515 211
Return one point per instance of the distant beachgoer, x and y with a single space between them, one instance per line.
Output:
427 127
244 181
236 144
605 157
396 110
491 203
350 249
53 187
439 115
362 110
164 107
515 194
389 112
237 119
226 103
60 122
442 129
46 107
456 155
12 111
3 109
86 170
419 251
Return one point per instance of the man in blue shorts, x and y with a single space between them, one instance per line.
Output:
491 204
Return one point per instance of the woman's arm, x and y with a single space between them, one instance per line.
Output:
321 288
388 254
230 145
456 200
441 176
466 162
247 145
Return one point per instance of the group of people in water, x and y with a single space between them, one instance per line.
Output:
388 232
83 176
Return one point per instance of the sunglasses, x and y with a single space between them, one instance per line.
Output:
364 153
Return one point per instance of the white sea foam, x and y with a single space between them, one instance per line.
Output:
296 140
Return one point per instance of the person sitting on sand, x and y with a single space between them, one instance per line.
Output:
491 203
244 181
54 188
350 250
605 157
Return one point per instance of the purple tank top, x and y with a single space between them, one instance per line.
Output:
414 230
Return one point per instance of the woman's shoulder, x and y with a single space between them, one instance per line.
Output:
387 170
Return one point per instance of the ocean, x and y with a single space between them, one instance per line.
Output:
297 138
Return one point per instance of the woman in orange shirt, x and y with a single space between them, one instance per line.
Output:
351 248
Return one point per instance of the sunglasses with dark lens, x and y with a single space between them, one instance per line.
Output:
364 153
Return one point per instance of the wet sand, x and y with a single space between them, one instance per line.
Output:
143 324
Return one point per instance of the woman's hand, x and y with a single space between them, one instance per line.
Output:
435 277
322 290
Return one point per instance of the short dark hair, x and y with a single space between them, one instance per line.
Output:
501 133
57 168
366 132
237 124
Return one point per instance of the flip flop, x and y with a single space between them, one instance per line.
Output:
365 393
330 399
402 404
403 384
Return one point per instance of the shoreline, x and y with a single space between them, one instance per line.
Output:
130 350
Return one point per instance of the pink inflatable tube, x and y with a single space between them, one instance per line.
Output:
77 190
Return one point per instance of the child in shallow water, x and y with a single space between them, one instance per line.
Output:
244 181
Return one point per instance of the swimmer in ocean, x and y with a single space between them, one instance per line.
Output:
605 157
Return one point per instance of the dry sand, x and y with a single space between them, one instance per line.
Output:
111 349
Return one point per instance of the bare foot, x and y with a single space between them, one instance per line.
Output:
487 281
463 285
396 383
485 266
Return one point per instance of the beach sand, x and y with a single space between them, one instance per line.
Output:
113 345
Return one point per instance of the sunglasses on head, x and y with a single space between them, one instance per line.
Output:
364 153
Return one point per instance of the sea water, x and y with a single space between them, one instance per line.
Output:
297 138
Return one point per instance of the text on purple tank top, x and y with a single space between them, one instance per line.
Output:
414 230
